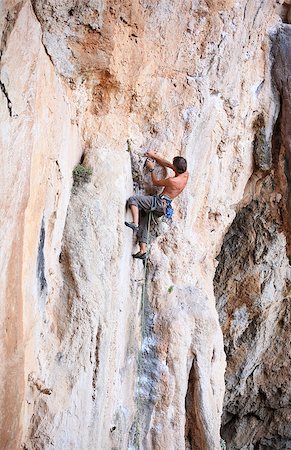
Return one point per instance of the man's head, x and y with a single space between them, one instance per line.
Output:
180 164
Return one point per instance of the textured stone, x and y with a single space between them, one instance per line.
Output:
253 302
281 73
253 296
39 147
91 78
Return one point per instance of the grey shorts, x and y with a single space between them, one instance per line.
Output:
145 203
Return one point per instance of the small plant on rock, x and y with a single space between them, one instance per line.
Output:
81 175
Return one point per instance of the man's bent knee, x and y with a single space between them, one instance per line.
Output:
132 201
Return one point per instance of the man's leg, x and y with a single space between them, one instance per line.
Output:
135 214
142 234
143 247
140 206
138 203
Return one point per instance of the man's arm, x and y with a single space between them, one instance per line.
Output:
155 181
160 161
164 182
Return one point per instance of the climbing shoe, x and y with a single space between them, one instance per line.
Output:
140 255
131 225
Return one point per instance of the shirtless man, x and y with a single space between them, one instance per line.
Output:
141 205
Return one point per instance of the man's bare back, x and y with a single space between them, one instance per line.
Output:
173 186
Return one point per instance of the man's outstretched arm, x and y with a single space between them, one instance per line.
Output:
162 162
164 182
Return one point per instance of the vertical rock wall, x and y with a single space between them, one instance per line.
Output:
108 81
281 76
253 296
253 301
39 147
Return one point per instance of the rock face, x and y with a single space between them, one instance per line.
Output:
281 75
253 296
39 147
254 311
103 353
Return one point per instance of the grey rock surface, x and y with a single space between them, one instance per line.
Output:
252 287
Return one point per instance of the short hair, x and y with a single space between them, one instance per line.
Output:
180 164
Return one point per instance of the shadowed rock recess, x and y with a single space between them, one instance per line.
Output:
97 352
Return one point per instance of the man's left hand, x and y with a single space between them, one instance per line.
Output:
150 164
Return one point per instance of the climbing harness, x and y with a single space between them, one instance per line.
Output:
169 210
142 326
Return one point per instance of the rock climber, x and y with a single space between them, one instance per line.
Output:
141 205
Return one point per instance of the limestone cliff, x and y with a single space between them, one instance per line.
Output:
101 82
253 297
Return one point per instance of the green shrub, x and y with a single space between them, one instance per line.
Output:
81 175
170 289
129 149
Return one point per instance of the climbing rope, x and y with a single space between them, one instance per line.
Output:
142 326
